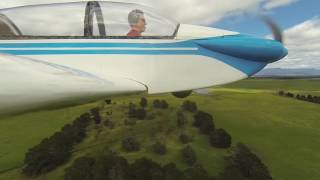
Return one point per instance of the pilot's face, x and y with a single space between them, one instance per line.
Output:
141 24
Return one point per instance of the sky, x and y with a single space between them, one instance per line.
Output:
299 19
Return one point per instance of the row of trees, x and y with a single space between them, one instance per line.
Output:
245 165
55 150
309 97
113 167
219 138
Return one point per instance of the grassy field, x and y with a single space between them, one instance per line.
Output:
283 132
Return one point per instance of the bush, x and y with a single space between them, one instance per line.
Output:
108 101
146 169
96 115
157 103
55 150
143 102
159 148
189 106
181 119
130 144
80 169
130 122
108 123
196 173
164 104
250 166
281 93
185 138
220 139
188 155
137 113
204 122
172 173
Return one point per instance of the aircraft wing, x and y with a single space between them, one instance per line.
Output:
27 84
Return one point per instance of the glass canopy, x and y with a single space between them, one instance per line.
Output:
91 19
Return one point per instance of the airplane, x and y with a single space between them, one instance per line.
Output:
71 53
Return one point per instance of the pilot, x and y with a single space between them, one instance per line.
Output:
137 23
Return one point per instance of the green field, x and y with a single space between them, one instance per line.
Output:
283 132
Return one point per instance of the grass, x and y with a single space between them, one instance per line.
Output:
283 132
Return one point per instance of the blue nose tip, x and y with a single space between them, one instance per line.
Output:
246 47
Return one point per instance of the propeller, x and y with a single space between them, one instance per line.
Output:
276 30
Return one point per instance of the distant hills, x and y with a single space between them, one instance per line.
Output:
281 72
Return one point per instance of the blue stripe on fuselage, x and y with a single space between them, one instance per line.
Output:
246 66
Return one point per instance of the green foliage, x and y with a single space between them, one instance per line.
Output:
220 139
81 169
195 173
159 148
204 121
130 144
181 119
56 150
146 169
189 106
188 155
249 164
96 115
143 102
185 138
160 104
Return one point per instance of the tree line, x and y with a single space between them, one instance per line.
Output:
302 97
57 149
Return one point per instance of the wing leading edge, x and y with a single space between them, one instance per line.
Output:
31 84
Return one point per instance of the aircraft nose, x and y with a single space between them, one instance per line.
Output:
246 47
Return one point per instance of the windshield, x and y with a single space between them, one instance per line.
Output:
85 20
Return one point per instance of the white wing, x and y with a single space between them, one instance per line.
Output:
29 84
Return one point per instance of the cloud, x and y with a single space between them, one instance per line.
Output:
185 11
303 43
270 4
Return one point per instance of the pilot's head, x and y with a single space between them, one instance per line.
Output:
137 21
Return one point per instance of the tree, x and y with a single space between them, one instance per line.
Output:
140 114
80 169
146 169
204 122
96 115
164 104
130 144
195 173
189 106
188 155
172 173
281 93
185 138
159 148
220 139
143 102
181 119
249 164
157 103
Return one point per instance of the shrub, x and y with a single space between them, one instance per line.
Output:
281 93
130 122
146 169
108 101
141 114
204 122
220 139
189 106
130 144
80 169
196 173
164 104
249 164
143 102
96 115
55 150
185 138
188 155
172 173
181 119
159 148
108 123
157 103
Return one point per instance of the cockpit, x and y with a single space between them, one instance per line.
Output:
93 19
